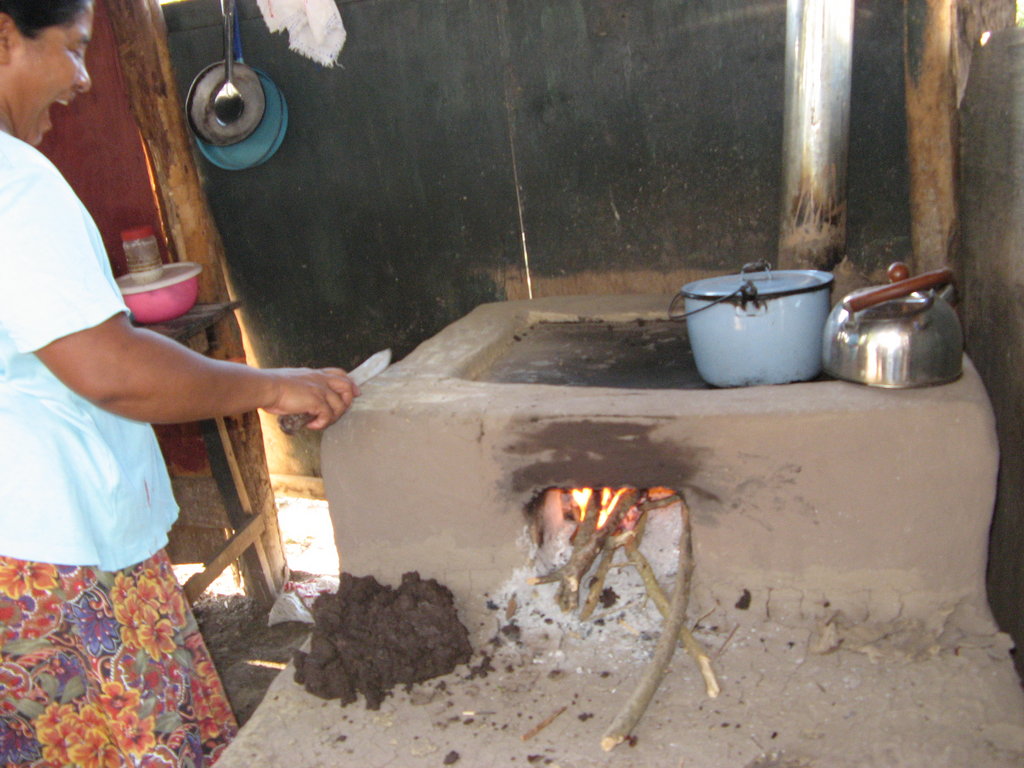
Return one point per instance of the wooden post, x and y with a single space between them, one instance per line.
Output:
932 129
192 235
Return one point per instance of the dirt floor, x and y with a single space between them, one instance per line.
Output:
787 701
247 652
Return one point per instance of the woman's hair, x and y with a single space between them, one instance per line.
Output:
33 16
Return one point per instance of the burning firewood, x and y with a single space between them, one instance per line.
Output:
587 545
635 707
617 528
661 602
611 543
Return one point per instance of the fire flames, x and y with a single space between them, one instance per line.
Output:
605 521
608 499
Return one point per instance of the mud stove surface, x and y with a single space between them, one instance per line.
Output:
839 537
641 354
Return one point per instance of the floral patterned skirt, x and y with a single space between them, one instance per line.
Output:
105 669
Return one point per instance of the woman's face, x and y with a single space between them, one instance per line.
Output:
41 71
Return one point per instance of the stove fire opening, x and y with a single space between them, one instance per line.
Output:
582 538
622 558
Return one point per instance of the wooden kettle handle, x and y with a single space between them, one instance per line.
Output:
902 285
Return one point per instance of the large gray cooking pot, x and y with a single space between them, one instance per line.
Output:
756 327
901 335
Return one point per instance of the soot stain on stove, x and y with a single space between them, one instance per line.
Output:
594 453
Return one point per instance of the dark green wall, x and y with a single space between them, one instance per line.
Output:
646 135
992 277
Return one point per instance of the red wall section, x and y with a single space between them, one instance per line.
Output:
96 145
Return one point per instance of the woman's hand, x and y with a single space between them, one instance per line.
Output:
142 375
324 393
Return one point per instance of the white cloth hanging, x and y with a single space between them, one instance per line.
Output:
314 27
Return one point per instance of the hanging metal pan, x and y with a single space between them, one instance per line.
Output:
261 145
201 116
199 103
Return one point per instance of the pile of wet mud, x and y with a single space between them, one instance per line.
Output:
368 638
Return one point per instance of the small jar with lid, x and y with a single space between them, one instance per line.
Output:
142 254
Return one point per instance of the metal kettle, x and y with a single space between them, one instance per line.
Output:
901 335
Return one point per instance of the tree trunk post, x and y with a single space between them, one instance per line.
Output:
929 44
192 235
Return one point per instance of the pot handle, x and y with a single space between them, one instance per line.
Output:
902 285
746 292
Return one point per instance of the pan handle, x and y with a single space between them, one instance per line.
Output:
227 9
902 286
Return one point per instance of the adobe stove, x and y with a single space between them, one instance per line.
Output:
838 535
812 497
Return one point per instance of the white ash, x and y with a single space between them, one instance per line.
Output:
629 626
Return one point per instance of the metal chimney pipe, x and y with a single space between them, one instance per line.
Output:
819 53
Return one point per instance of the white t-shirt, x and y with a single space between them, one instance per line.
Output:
78 485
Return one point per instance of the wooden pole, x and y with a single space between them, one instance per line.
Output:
158 109
192 235
929 45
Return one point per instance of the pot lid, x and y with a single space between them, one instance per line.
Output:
262 143
173 273
767 283
199 104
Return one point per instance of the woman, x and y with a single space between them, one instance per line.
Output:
100 659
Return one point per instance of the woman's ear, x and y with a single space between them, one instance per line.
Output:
8 29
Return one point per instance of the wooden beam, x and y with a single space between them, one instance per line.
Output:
236 471
302 486
929 50
157 107
242 539
192 235
265 566
265 569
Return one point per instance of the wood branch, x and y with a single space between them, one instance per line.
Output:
661 602
635 707
549 578
586 547
665 501
637 534
543 724
584 553
643 567
597 585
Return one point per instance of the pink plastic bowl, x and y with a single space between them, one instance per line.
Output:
171 296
